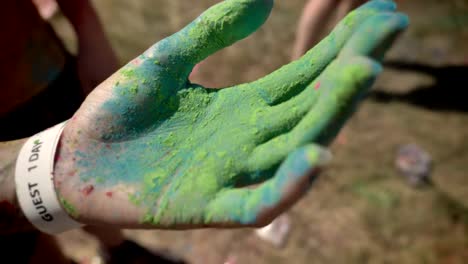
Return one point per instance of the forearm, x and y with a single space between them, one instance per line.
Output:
313 19
81 16
96 60
11 217
86 24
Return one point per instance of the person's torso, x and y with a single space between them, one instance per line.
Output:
31 55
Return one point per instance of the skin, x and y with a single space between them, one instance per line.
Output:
33 56
315 17
149 149
12 219
30 60
93 45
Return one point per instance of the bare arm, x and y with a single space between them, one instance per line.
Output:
96 59
11 217
313 19
81 16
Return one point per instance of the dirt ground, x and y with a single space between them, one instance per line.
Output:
361 210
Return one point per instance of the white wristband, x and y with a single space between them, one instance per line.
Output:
35 186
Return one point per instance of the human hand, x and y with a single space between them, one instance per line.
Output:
149 149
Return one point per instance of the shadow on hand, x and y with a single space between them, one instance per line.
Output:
446 93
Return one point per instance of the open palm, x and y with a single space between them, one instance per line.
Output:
150 149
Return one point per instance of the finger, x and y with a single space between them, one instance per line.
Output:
294 77
280 119
145 87
338 99
218 27
260 205
371 39
376 35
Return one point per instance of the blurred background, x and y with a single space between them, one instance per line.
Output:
366 208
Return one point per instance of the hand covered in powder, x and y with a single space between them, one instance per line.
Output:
149 149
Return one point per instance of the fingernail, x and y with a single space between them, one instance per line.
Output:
320 156
404 20
324 157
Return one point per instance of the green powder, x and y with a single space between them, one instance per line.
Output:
71 210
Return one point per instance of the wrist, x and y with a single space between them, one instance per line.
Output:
35 188
68 185
64 168
8 154
12 219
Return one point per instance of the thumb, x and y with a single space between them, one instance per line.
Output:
218 27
